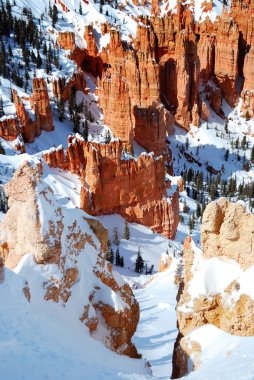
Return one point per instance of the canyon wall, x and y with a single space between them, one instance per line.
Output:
171 71
134 188
216 285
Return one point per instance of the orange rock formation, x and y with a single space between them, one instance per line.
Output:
134 188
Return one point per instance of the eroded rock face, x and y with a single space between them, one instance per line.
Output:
21 193
66 40
40 104
42 119
61 89
9 129
133 188
228 231
214 287
68 256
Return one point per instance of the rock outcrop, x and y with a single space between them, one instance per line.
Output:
214 286
9 128
131 80
32 123
66 40
228 231
70 248
164 262
134 188
62 88
40 104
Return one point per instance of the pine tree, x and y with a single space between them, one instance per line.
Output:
2 151
107 137
198 211
187 144
111 256
38 60
252 155
1 107
54 15
108 252
3 201
126 231
118 259
85 130
115 236
60 109
121 261
80 8
139 265
226 155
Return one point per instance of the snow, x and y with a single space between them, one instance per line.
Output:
40 340
223 355
213 276
46 340
156 332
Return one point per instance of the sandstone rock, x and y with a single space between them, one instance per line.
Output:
66 40
72 246
164 262
133 188
228 231
24 211
9 128
226 58
40 103
61 89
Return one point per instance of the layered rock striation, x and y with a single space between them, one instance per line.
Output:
32 123
134 188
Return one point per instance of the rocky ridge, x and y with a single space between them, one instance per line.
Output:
68 254
220 273
134 188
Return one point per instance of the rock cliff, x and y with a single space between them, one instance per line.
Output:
134 188
215 287
41 116
67 249
66 40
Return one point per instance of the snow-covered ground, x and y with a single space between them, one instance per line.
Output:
31 336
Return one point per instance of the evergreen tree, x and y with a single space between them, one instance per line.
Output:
60 109
150 270
38 60
1 107
80 8
187 144
198 211
2 151
85 130
252 155
108 252
126 231
115 236
139 265
3 201
54 16
121 262
226 155
107 137
118 259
